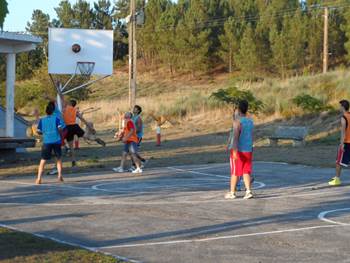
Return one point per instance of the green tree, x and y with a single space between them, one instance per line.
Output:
247 58
3 12
65 14
229 42
103 14
83 15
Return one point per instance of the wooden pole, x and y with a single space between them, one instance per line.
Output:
325 41
132 55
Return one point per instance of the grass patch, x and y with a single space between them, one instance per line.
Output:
22 247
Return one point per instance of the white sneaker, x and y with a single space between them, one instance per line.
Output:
230 195
248 195
118 170
137 171
53 171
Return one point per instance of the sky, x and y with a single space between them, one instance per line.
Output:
21 12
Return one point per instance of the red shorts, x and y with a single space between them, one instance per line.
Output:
243 163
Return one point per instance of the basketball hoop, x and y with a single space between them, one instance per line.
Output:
85 68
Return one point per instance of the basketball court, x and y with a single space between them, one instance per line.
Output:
178 214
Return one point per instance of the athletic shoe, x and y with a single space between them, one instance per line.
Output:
230 195
101 142
248 195
118 170
53 171
137 171
335 181
60 179
131 169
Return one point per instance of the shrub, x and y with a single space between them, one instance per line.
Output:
233 96
309 103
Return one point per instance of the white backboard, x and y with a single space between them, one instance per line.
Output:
96 46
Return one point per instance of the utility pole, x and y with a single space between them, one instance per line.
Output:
132 54
325 41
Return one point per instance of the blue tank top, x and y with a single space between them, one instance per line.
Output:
139 134
245 142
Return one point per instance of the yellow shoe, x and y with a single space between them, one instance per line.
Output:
335 181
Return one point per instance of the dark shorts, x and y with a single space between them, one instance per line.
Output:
73 130
47 149
130 147
139 143
343 157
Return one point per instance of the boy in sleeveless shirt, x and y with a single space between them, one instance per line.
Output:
241 153
343 157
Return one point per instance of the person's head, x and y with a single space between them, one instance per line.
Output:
50 109
73 103
127 115
344 105
137 110
243 107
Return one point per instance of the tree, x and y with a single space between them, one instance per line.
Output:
83 15
65 14
193 38
247 58
229 42
3 12
103 14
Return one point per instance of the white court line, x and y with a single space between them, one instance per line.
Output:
260 184
62 185
175 202
92 249
322 216
221 237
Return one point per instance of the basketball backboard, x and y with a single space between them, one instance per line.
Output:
67 47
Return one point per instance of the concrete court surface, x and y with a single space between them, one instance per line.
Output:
178 214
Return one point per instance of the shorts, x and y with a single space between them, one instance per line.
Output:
47 149
343 157
243 163
130 147
73 130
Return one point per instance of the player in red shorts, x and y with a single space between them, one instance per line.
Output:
241 153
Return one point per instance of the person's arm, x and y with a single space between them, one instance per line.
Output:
342 132
236 131
138 125
59 124
39 128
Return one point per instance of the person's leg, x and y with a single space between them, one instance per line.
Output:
122 162
247 182
136 160
40 171
234 181
59 170
72 151
338 169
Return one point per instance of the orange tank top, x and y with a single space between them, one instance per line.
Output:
130 125
347 130
70 115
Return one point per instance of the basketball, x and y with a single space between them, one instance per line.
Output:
76 48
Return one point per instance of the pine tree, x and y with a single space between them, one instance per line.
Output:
83 15
247 58
193 38
65 14
3 12
229 42
103 14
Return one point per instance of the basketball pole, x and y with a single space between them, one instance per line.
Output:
325 41
132 55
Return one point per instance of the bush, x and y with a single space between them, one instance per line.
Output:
309 103
233 96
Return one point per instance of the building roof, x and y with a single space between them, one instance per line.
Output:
17 37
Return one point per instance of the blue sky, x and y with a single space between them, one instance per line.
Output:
21 12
